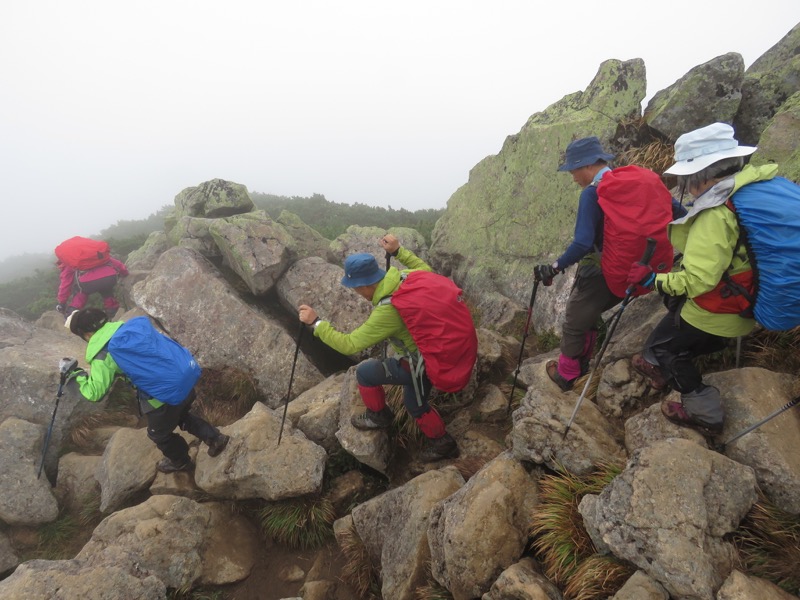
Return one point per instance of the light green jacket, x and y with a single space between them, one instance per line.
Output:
103 368
707 236
384 321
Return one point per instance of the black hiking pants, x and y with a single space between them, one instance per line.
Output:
674 344
161 424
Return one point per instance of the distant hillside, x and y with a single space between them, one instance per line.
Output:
332 219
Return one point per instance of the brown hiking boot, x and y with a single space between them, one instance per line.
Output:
675 413
552 373
651 372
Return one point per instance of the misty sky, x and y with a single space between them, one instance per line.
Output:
108 109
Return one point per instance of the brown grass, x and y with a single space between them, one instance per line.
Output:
597 577
358 571
225 395
656 155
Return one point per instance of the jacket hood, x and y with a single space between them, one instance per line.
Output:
100 339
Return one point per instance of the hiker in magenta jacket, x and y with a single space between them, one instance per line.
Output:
362 275
100 280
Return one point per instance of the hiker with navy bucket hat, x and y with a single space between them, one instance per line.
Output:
363 275
708 292
587 162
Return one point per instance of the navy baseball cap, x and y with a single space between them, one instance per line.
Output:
361 269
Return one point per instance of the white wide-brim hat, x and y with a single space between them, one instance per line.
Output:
696 150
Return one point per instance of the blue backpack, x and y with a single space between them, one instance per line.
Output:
769 215
156 364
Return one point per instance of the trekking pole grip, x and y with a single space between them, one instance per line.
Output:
649 250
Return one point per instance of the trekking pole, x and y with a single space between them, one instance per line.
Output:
65 365
648 254
385 342
522 344
291 378
784 408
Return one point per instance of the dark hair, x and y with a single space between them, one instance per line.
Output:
87 320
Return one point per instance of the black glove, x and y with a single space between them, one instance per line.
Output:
60 308
672 303
545 273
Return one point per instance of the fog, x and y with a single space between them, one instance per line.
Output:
108 110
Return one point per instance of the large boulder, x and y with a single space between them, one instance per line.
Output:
394 525
516 210
308 241
540 422
26 498
365 239
128 467
668 513
257 248
780 141
29 379
255 466
215 198
768 83
481 529
708 93
202 311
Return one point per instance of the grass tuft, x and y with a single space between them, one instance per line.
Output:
358 571
302 523
560 540
597 577
768 544
225 395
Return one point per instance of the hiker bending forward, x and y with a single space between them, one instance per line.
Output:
362 274
91 324
703 313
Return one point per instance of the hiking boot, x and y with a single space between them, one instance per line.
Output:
218 444
369 419
552 373
651 372
439 449
676 413
165 465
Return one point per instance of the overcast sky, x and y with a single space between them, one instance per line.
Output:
108 109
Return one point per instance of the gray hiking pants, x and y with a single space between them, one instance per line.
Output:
588 300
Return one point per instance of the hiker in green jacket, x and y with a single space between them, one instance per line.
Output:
92 326
363 275
704 305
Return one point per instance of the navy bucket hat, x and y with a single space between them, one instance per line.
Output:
583 152
361 269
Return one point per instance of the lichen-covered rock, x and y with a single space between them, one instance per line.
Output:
215 198
767 84
493 233
708 93
780 142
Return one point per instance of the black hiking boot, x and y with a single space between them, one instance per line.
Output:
370 420
439 449
165 465
218 444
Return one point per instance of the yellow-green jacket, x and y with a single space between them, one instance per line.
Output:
707 236
384 321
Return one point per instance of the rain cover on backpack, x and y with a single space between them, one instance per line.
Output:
636 205
434 311
155 364
769 215
83 253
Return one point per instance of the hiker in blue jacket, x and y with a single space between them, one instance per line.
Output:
91 325
587 162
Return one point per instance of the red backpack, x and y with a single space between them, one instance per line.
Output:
434 311
636 205
83 253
